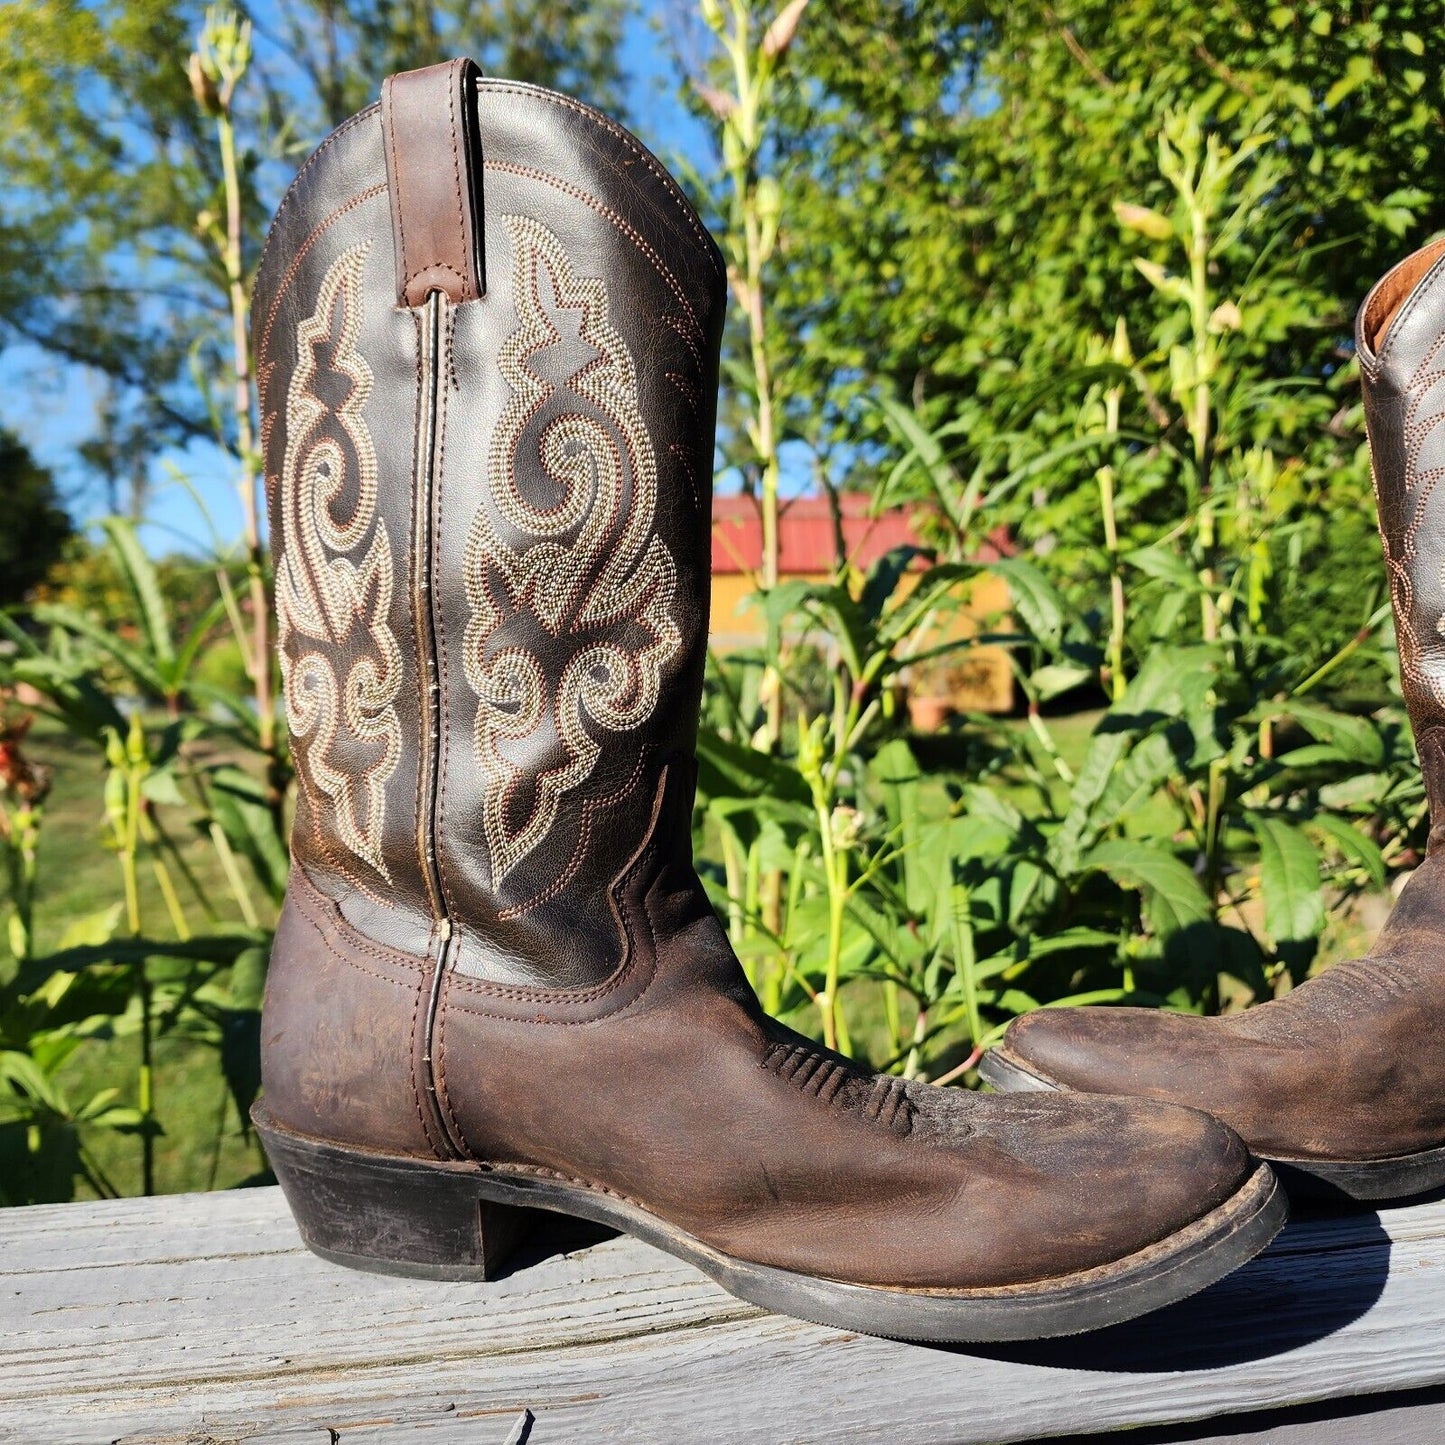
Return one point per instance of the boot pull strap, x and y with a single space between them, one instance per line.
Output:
434 174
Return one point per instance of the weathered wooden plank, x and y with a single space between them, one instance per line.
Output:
201 1318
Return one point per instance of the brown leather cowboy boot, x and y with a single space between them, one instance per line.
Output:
1341 1082
487 327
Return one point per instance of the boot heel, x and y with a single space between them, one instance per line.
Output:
416 1218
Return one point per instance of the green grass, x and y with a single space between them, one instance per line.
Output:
203 1145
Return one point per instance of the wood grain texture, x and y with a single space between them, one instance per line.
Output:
200 1318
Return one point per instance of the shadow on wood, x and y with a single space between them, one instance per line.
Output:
1296 1293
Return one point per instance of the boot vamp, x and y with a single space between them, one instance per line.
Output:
1350 1065
693 1106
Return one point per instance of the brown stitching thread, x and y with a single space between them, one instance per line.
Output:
438 266
310 161
684 464
686 386
634 145
328 942
416 581
590 806
410 273
421 988
452 376
1397 325
331 919
543 1171
400 209
606 212
360 198
674 324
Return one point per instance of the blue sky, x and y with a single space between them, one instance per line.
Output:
194 502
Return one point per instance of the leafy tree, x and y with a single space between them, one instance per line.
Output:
37 526
954 175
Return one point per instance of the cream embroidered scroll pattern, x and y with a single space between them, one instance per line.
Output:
340 662
1424 414
562 559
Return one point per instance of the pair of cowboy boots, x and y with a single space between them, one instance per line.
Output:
487 327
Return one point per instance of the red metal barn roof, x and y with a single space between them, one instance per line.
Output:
807 536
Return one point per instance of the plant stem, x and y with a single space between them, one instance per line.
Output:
259 663
1115 651
135 768
1200 411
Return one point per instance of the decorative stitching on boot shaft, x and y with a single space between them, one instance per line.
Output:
340 661
584 570
689 337
609 125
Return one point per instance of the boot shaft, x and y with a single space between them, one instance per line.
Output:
486 333
1400 342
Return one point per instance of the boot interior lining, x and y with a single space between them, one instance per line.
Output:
1389 296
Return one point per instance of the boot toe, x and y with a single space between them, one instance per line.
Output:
1097 1050
1098 1178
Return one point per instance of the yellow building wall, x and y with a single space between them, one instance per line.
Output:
973 679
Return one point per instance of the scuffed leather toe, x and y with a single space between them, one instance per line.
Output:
1069 1182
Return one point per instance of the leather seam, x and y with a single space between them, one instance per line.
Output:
579 850
332 921
458 72
400 208
422 731
503 1170
618 133
325 928
411 1058
452 349
445 1094
438 266
443 758
592 995
416 591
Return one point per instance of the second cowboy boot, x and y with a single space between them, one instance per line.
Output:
1342 1081
487 327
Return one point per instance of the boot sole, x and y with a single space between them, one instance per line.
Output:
1367 1181
426 1219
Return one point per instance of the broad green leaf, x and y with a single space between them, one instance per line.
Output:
1353 844
729 769
94 928
140 576
1056 678
1173 897
1356 738
1289 879
895 771
1035 598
